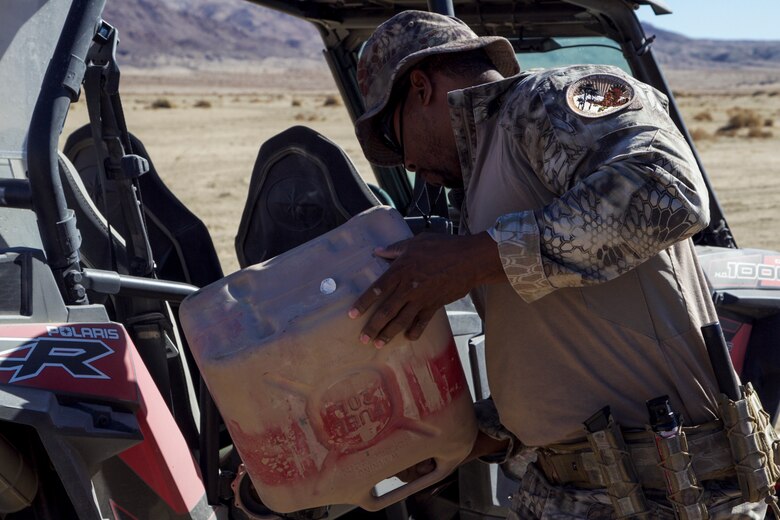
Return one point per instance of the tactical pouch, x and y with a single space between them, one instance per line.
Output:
617 470
754 444
683 490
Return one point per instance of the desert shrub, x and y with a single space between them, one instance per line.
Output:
703 116
202 103
309 116
744 118
758 133
162 103
699 134
331 100
726 131
296 102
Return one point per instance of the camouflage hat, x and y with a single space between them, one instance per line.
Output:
395 47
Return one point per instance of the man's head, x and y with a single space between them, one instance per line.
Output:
405 71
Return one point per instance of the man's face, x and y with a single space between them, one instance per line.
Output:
423 137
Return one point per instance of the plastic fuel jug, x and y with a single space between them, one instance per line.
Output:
317 417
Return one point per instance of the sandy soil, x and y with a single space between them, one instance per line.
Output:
204 147
744 164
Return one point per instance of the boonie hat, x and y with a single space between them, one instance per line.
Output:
395 47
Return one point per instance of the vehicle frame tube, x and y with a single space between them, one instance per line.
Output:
60 87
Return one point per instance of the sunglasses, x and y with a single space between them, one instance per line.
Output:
387 128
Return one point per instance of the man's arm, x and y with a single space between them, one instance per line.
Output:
628 187
606 224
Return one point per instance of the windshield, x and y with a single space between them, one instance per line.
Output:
560 52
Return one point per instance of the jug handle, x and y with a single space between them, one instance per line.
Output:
375 503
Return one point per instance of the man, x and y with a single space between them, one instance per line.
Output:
580 197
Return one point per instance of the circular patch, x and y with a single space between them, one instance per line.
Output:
599 95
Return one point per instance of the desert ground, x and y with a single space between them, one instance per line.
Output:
203 131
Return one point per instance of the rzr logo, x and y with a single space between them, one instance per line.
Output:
74 355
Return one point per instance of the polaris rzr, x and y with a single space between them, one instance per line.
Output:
103 413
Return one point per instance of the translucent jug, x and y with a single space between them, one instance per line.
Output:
317 417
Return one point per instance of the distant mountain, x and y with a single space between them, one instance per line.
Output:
190 32
675 51
194 32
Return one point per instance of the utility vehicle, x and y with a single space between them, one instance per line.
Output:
103 413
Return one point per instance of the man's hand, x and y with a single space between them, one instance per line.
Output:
427 272
485 445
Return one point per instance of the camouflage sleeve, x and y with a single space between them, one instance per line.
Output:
517 457
626 183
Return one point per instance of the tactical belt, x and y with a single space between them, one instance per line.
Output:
576 464
742 444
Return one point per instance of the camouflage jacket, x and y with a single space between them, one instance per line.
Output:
625 181
590 191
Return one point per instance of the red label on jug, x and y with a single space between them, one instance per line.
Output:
277 456
436 382
355 411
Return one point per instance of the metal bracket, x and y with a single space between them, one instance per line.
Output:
642 50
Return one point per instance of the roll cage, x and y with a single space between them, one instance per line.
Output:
530 25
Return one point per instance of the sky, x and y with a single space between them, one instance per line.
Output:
719 19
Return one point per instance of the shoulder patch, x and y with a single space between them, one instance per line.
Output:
599 95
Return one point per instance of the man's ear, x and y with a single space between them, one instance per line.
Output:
422 86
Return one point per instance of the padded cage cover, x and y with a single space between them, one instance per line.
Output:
302 186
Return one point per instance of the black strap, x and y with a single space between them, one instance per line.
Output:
116 161
145 319
92 86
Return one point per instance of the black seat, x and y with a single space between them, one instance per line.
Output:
181 244
302 186
95 249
